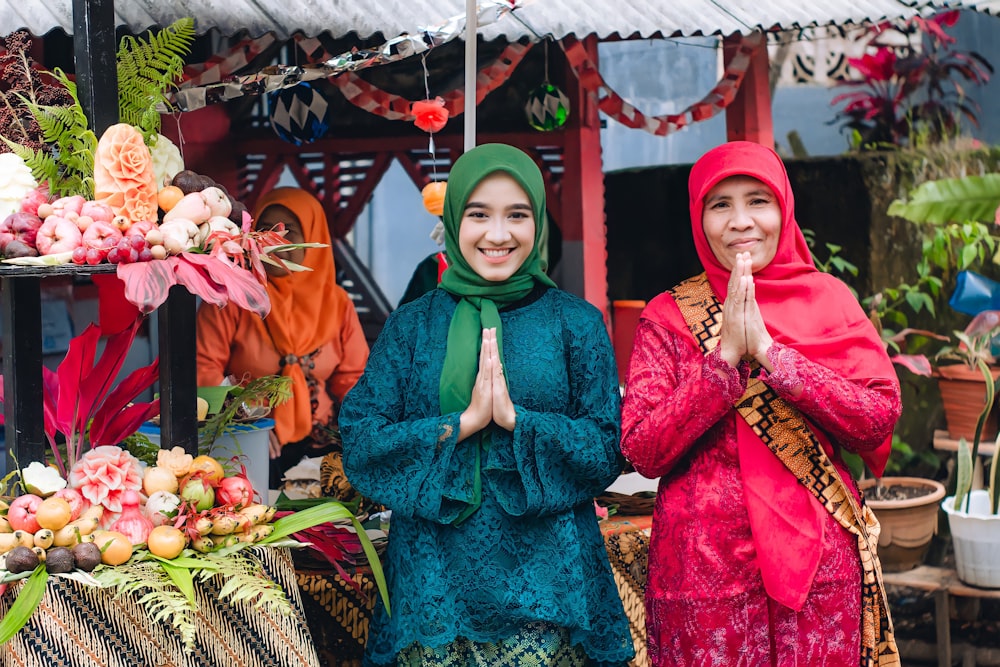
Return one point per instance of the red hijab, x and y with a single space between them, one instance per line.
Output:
815 314
804 308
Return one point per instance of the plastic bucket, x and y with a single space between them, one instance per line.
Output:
250 441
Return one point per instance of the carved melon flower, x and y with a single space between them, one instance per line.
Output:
16 181
123 174
103 474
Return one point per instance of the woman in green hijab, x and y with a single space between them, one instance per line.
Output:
487 420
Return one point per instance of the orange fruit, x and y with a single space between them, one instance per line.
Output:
53 513
208 465
166 542
115 547
168 197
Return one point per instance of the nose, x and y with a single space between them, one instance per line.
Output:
497 231
741 218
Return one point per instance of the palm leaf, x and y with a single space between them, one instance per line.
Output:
952 200
25 604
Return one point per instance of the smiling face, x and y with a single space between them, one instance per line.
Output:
741 214
267 220
497 232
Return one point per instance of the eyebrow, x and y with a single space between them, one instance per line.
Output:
752 193
475 204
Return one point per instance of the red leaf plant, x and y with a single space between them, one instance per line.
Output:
336 544
913 88
81 401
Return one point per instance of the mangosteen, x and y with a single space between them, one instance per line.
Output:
87 556
59 559
21 559
188 181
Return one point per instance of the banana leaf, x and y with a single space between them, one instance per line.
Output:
952 200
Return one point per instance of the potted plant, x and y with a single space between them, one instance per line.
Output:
974 515
906 507
952 213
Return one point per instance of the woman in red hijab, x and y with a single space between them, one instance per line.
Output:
745 386
312 335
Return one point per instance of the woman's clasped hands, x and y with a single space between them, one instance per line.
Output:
490 400
744 334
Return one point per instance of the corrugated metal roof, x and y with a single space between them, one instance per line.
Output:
604 18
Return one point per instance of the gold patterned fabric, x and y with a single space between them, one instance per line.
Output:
338 613
84 626
535 645
782 428
627 543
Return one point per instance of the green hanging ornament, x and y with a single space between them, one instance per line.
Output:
547 108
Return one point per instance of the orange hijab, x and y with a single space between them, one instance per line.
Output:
303 308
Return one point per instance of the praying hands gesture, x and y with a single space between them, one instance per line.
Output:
744 334
490 399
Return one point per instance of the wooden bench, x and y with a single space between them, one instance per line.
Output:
942 582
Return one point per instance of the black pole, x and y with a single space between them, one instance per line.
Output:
94 51
178 371
24 430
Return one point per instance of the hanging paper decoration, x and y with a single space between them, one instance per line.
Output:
430 115
300 114
274 77
547 108
433 194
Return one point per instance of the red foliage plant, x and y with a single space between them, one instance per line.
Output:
82 401
911 89
21 79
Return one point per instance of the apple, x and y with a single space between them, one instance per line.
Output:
21 513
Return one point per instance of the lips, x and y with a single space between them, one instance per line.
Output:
495 255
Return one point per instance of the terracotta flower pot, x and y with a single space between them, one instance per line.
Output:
907 524
962 394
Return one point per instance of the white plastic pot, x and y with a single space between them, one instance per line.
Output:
976 537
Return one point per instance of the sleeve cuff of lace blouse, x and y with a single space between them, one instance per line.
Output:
732 381
785 378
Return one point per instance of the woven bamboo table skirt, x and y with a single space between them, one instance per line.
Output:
82 626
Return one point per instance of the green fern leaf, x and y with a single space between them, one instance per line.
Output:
147 70
952 200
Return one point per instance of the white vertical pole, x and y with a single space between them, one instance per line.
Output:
471 29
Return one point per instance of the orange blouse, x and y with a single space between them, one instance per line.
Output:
229 344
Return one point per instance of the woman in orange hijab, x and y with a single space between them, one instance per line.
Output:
312 335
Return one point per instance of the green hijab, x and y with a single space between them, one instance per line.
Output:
481 299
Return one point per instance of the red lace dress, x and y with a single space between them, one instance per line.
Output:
705 599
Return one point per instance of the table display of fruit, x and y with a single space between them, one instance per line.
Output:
113 524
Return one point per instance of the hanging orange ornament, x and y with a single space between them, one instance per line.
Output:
433 194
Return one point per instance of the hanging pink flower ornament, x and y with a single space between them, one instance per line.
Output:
430 115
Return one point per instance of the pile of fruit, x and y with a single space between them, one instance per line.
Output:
183 502
190 208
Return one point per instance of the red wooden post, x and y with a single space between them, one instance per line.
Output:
585 253
748 118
